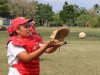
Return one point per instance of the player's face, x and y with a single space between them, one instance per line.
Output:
24 30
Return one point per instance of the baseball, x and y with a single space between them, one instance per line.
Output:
82 35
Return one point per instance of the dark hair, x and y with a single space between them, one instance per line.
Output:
12 34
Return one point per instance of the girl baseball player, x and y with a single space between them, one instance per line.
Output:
24 48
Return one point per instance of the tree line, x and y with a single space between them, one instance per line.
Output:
71 15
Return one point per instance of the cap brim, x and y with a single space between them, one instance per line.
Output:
30 20
24 21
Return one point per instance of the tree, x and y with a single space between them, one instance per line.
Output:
95 21
22 8
4 10
44 13
96 8
56 20
82 20
68 14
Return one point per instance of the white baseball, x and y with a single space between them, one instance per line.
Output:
82 35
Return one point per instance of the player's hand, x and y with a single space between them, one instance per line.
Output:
53 44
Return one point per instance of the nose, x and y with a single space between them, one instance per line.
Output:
28 29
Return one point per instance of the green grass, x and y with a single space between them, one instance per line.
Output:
78 57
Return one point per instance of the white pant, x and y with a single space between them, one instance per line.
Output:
13 71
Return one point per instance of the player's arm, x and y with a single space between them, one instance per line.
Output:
51 49
27 57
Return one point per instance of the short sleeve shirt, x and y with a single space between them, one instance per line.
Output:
12 52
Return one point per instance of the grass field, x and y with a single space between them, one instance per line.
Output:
78 57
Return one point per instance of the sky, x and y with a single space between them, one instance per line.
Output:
58 4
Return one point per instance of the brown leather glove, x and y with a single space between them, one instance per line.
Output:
59 35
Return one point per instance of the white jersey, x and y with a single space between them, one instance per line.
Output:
12 52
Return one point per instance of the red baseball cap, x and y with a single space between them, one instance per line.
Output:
15 23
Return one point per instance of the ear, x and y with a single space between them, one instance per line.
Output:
17 31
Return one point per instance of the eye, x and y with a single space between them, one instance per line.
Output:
30 23
26 26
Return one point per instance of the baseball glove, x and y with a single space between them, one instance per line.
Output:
59 35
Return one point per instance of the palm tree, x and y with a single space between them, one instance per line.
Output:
96 8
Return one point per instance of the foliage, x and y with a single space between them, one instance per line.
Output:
82 20
44 13
95 21
96 8
55 23
4 10
22 8
68 14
